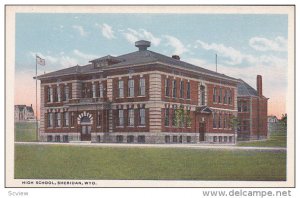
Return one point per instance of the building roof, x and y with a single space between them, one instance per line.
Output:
135 58
244 89
22 107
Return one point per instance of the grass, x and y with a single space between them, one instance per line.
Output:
277 139
25 132
75 162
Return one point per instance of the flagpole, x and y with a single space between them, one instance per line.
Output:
36 107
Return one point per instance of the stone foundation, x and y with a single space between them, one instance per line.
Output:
141 137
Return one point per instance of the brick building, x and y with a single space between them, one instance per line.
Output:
252 111
140 97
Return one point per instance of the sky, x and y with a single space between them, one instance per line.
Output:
246 45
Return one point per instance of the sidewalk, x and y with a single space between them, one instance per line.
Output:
184 146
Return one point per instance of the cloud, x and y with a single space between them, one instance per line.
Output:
263 44
174 42
106 30
132 36
80 29
234 56
84 55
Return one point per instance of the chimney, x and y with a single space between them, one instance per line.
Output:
142 45
259 85
176 57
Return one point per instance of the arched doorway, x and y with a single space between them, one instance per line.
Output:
86 127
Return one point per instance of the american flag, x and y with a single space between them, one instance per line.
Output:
40 61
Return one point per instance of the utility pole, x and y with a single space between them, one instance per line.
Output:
216 62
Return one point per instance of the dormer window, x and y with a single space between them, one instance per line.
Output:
105 61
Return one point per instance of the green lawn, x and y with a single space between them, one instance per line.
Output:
25 132
277 139
75 162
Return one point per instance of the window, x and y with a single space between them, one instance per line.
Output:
66 119
167 139
220 120
214 120
142 86
130 139
101 90
174 138
142 120
215 94
121 117
225 97
131 88
174 89
181 89
225 121
49 138
72 119
173 117
121 88
220 139
230 138
131 117
58 120
167 87
94 90
49 94
98 138
215 138
58 93
202 92
57 138
119 138
86 90
50 120
188 139
220 95
141 139
65 138
229 97
167 115
225 138
54 94
245 107
239 106
188 90
98 118
66 92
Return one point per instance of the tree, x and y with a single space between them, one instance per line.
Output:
181 115
234 123
283 120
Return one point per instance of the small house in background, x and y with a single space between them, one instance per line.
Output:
24 113
273 124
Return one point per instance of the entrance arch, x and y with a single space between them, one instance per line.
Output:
85 120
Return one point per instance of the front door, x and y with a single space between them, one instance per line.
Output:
86 132
201 131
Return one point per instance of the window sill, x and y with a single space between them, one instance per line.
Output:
119 126
130 97
141 126
142 96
